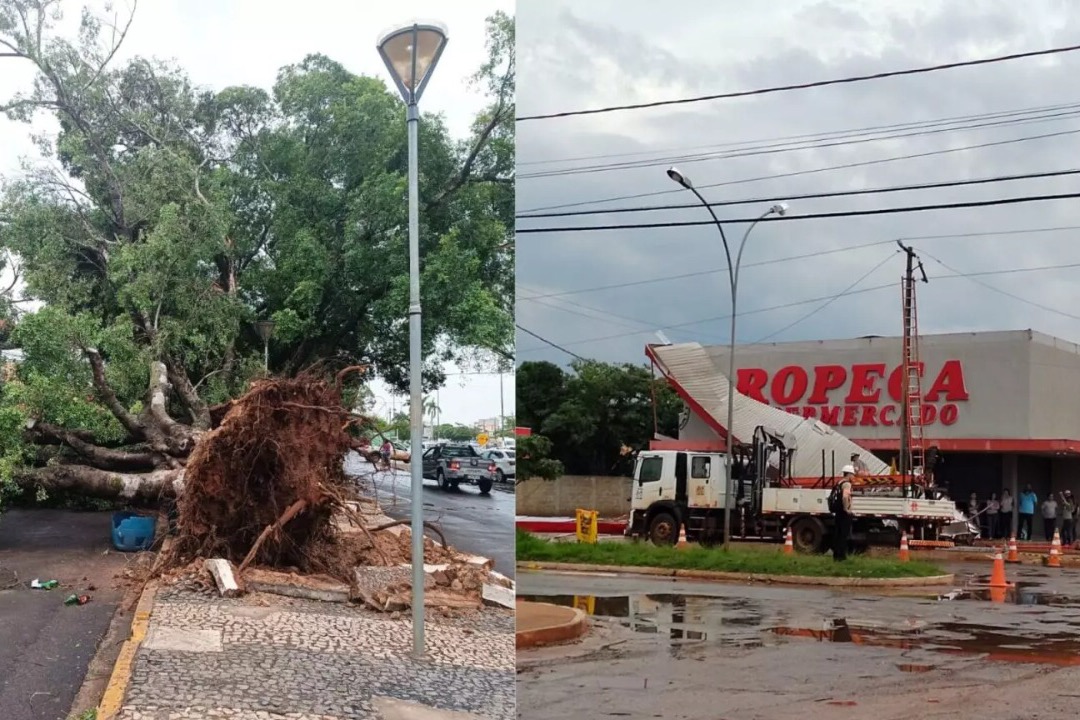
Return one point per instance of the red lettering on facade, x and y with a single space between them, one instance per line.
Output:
809 412
949 414
826 378
781 392
751 382
949 381
869 416
897 382
887 415
864 379
830 415
851 415
929 414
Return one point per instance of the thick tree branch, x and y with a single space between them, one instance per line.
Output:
108 396
141 488
200 412
100 457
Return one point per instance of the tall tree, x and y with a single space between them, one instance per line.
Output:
170 218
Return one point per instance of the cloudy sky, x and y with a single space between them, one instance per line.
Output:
576 55
245 42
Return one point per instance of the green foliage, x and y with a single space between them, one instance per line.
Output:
534 459
766 560
596 413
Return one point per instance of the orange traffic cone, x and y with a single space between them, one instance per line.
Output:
789 543
1014 551
998 594
905 552
997 575
682 536
1054 560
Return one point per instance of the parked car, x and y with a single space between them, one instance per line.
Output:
505 463
453 464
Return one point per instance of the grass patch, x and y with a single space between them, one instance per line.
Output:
765 561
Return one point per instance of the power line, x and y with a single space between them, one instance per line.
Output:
812 196
845 293
789 258
828 302
810 216
547 342
812 171
790 147
848 132
806 86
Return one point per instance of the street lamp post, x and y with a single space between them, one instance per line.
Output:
265 329
733 278
411 54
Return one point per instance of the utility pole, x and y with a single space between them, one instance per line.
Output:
911 434
502 413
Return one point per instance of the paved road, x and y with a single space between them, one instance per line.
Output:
474 523
45 646
666 648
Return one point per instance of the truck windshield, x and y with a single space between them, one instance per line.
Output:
650 469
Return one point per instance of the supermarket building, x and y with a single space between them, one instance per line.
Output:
1003 408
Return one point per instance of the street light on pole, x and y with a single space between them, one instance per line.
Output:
411 53
733 278
265 329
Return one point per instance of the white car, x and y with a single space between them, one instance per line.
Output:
505 463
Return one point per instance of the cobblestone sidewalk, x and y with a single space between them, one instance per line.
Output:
269 657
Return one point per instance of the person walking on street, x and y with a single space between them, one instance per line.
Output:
1006 515
1026 508
1049 516
993 512
1068 514
840 506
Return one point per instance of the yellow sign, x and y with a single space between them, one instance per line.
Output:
585 603
586 526
482 438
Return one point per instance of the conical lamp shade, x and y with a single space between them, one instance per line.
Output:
410 54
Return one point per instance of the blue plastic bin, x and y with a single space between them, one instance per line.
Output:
132 532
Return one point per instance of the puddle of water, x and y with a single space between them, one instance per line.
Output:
1061 649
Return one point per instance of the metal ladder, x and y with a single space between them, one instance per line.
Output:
913 378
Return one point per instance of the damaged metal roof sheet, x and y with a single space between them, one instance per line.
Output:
697 378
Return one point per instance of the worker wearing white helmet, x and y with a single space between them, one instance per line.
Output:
840 507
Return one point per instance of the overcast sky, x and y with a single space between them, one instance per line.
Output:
245 42
576 55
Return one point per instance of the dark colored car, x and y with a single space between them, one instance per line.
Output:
452 465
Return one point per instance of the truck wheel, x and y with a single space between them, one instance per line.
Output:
441 477
499 477
808 535
484 485
663 529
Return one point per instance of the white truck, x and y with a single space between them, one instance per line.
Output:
675 488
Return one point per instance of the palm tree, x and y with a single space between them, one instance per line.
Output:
432 410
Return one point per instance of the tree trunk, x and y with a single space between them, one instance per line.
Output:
91 482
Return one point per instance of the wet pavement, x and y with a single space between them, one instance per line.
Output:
46 646
675 649
473 523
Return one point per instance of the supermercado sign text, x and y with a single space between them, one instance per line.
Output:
863 394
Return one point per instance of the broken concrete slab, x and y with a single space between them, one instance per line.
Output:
309 587
478 561
497 595
390 708
224 577
497 578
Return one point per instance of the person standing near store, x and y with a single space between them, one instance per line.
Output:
1068 516
1049 516
840 507
1026 508
993 512
1006 515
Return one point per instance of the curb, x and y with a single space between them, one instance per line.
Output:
570 630
742 577
113 698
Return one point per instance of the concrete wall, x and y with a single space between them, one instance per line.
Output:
1055 388
610 496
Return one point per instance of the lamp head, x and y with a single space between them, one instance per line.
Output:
410 53
674 174
265 329
780 208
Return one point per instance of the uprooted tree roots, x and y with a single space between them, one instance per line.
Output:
263 486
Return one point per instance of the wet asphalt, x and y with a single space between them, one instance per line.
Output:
666 648
474 523
45 646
